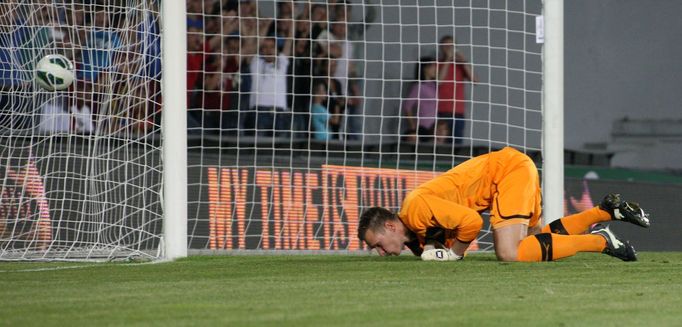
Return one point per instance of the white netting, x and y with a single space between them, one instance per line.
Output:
285 151
81 168
303 114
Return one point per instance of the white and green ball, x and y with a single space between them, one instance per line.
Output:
54 72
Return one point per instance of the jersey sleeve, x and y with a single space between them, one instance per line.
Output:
425 211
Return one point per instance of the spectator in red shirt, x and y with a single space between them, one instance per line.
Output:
231 81
453 72
195 68
212 101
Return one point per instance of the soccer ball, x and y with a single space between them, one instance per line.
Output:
54 72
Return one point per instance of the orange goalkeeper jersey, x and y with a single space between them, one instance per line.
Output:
506 182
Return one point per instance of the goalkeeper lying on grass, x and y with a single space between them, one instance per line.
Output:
439 219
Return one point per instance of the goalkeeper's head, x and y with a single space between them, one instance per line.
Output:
382 230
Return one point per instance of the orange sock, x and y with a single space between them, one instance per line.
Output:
578 223
550 247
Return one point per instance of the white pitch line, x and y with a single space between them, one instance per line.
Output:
77 267
45 269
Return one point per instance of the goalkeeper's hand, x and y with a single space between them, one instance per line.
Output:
440 255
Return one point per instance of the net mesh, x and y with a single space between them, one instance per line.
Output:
300 116
304 114
81 167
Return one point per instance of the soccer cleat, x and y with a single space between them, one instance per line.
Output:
615 247
624 211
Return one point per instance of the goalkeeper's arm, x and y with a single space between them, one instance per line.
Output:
445 215
437 215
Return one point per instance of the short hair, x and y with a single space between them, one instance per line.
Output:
231 38
423 63
373 219
268 39
446 37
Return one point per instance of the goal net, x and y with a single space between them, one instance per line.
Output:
304 114
300 115
81 168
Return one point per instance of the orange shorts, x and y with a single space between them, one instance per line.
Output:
517 198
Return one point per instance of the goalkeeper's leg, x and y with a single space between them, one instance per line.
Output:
578 223
612 207
513 244
551 247
516 211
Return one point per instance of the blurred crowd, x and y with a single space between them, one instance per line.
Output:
117 58
289 75
270 68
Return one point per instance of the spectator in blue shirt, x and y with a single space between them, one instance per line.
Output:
102 43
319 113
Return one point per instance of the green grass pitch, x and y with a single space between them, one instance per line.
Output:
340 290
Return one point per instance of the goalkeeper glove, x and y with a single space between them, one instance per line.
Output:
440 255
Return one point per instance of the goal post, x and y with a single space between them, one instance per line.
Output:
174 130
553 111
